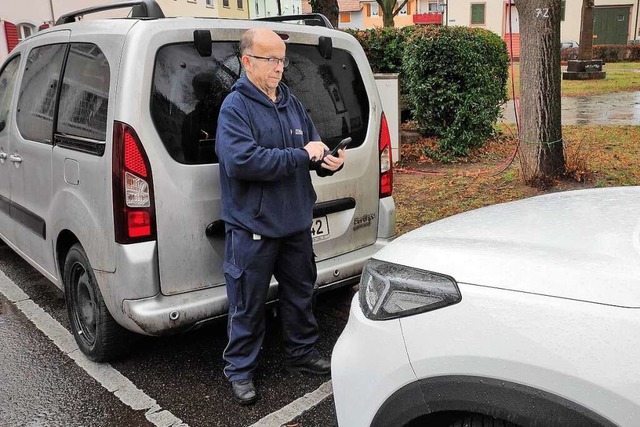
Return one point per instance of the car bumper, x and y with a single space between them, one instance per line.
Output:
369 363
162 314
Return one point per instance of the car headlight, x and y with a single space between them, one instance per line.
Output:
389 291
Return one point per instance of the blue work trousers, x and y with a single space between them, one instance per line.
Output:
250 261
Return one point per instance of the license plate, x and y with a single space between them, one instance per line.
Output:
320 229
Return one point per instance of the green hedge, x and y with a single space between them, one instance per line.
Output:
607 52
452 78
456 83
383 47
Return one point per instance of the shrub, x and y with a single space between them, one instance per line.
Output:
607 52
456 83
383 47
616 53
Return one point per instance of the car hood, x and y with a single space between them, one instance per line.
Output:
583 245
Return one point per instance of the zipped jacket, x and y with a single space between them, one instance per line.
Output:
264 169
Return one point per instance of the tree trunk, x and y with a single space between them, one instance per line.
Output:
585 50
328 8
386 8
390 8
541 148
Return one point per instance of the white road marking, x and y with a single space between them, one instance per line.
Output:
116 383
104 373
296 408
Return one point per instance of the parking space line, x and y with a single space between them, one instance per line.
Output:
104 373
296 408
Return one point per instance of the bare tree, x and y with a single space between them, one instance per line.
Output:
541 149
328 8
390 8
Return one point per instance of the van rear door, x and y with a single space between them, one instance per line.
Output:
187 90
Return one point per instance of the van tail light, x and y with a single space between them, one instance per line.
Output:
133 207
386 162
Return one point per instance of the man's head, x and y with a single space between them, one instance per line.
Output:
263 58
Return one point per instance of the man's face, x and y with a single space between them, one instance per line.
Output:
264 73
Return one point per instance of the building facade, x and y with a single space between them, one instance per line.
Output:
264 8
20 19
615 21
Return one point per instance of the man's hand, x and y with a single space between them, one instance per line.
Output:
334 163
316 150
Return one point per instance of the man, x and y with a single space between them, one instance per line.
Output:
267 144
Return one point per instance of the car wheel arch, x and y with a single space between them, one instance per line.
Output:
503 400
65 240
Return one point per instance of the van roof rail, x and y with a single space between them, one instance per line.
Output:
317 19
140 9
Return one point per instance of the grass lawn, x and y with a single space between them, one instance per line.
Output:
598 156
425 190
621 76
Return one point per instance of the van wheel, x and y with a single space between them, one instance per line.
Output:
98 335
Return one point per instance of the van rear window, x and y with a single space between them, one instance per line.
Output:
188 89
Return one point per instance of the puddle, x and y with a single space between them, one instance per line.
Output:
619 108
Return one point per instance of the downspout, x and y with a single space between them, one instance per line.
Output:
635 30
446 13
53 18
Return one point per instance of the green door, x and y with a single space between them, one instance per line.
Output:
611 25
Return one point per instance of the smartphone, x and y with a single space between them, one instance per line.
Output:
342 144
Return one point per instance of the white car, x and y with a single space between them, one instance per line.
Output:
524 313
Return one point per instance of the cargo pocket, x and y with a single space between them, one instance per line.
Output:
234 276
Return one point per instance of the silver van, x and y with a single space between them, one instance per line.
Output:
109 180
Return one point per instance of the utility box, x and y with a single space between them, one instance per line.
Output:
389 90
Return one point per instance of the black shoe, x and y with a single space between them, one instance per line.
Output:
316 365
244 392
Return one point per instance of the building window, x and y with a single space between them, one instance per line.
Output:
25 30
345 17
225 3
477 14
240 5
403 11
436 6
257 9
374 9
209 3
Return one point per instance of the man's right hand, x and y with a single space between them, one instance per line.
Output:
316 150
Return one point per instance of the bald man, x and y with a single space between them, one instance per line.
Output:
267 146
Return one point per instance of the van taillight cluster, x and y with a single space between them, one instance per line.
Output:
386 162
133 207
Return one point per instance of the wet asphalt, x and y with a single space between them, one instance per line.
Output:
619 108
40 385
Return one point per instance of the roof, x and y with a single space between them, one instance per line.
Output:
349 5
343 5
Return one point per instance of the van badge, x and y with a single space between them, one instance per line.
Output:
363 221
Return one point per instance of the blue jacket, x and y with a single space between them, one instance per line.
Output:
264 170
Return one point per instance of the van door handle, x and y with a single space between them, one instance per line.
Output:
3 156
15 159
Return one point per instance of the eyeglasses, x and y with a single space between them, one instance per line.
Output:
273 61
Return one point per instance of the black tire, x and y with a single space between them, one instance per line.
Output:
479 420
98 335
